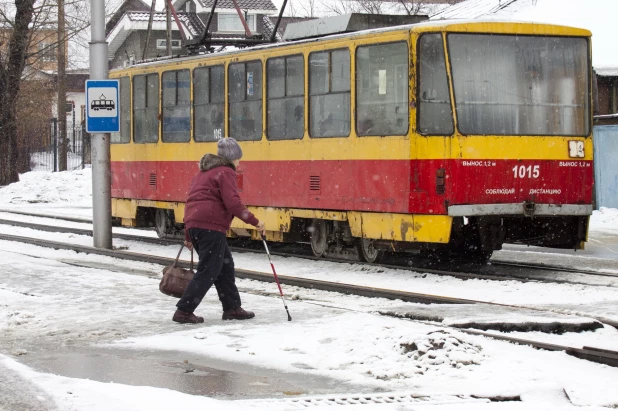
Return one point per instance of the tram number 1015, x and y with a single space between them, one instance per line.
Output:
526 172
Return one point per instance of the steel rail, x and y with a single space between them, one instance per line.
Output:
55 217
457 274
598 355
343 288
81 231
607 357
548 267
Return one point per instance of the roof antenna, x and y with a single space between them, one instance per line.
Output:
274 35
205 35
152 10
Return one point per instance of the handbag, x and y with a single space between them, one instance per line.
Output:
175 279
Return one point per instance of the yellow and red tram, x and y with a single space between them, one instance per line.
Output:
439 137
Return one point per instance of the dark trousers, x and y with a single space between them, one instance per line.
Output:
216 267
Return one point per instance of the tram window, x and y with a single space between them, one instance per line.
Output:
208 103
434 109
382 89
176 106
520 85
285 98
146 108
125 113
329 90
245 97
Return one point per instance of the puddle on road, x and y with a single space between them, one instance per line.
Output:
181 372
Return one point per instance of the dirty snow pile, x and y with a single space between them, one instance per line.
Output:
441 348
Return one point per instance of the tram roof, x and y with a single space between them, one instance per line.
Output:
471 26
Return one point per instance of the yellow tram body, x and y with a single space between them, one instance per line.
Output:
405 204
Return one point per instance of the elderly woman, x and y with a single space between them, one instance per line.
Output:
212 204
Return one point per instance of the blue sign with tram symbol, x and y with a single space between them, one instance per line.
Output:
102 111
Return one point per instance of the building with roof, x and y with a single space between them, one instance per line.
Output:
42 48
126 30
607 84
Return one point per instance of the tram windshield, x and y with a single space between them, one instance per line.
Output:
520 85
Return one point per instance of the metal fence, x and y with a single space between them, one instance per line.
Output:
46 156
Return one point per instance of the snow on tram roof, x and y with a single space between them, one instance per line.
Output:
424 24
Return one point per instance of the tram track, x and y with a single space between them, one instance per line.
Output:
522 272
602 356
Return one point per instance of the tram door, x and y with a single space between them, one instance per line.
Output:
431 136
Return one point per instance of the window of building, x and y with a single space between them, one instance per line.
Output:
162 44
47 51
329 90
382 89
176 106
146 108
125 109
285 98
208 103
231 22
434 101
245 99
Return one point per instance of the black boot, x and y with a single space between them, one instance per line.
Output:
186 318
237 313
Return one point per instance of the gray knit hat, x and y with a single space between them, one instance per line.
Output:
229 148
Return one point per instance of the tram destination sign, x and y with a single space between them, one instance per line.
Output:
102 114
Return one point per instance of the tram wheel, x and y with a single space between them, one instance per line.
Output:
367 251
319 242
162 222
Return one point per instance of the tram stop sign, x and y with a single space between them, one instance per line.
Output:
102 113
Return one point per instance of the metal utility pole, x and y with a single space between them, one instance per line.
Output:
168 29
101 171
149 32
62 90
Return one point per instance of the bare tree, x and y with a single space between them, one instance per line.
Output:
29 36
307 8
360 6
36 94
414 7
12 65
409 7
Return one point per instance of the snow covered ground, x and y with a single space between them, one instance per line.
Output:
54 303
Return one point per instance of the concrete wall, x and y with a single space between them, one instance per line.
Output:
606 166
